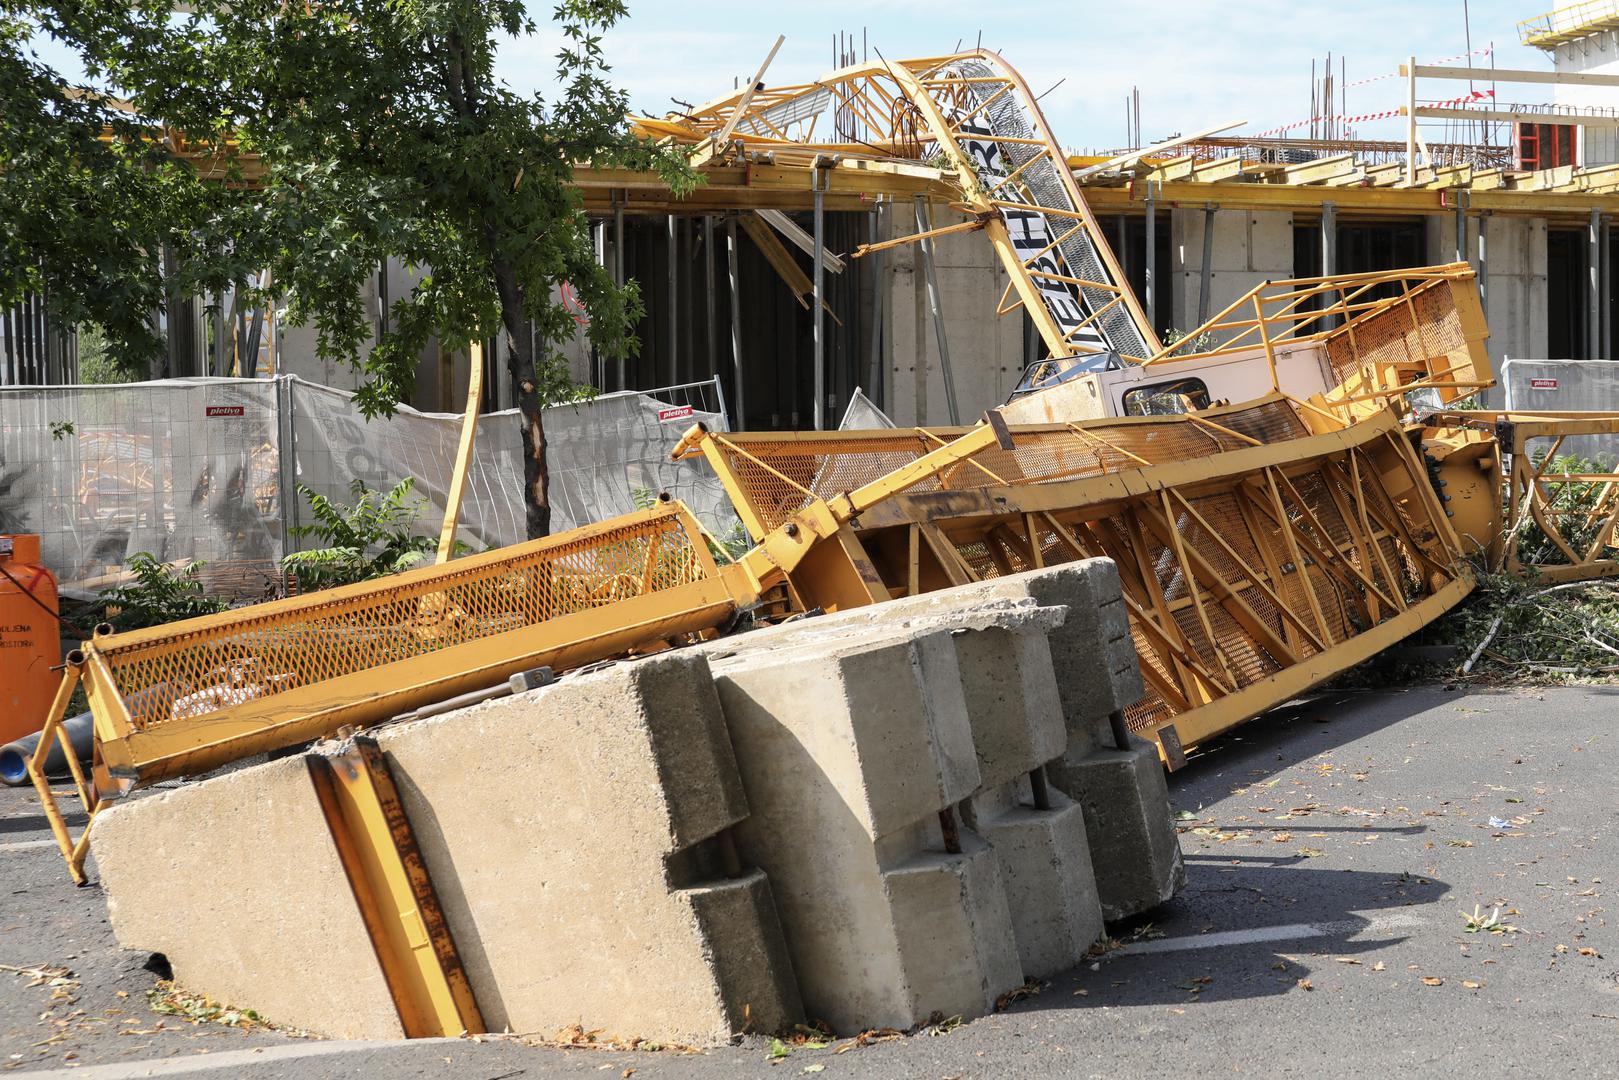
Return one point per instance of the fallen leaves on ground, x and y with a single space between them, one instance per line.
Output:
1432 980
866 1038
1027 990
169 1000
59 980
575 1037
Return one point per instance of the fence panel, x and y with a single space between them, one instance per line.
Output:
202 469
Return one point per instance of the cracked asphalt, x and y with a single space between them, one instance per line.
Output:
1379 882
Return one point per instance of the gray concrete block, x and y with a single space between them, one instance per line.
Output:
568 833
1046 873
953 927
1043 657
1134 847
237 882
849 750
1092 647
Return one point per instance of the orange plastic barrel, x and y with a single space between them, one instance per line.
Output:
30 643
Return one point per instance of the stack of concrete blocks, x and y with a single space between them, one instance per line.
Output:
887 768
926 792
1134 847
567 831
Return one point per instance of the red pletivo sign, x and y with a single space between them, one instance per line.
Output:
679 413
226 410
1543 384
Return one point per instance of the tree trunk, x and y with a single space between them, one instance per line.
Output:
520 362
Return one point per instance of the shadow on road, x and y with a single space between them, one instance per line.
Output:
1251 930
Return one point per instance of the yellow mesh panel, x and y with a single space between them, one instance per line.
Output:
195 670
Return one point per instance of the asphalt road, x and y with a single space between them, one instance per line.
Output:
1332 849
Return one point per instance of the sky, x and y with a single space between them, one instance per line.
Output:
1198 64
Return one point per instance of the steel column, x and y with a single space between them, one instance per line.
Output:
924 225
1329 252
817 294
708 296
1593 274
879 306
741 418
674 305
618 273
1604 268
598 365
1150 285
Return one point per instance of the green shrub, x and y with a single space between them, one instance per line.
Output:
372 538
158 594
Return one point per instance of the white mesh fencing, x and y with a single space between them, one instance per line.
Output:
194 469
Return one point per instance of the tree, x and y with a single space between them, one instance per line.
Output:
383 132
88 191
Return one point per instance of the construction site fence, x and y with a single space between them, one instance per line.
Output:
1564 386
208 470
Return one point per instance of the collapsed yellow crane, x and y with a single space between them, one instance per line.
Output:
1264 546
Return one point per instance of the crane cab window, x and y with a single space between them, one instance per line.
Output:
1167 398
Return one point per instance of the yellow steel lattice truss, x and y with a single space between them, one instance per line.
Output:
188 697
1257 558
1559 520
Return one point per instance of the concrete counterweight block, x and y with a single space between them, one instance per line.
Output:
1134 849
572 834
1009 689
236 880
850 748
1036 832
1133 841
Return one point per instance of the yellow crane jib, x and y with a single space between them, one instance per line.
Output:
1259 555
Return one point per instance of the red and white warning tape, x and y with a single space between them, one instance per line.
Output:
1432 63
1363 118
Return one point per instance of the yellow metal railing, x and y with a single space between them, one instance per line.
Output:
1386 335
1569 23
